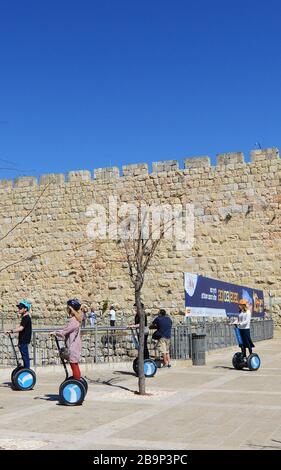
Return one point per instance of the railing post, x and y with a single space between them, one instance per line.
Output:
212 330
190 337
96 343
107 345
34 348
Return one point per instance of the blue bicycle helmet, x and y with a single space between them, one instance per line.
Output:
74 303
24 304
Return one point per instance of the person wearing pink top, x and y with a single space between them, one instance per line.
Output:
72 336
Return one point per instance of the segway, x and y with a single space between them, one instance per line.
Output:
22 378
72 392
239 361
150 368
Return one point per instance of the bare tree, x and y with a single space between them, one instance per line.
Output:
140 243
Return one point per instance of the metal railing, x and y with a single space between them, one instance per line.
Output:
219 333
114 344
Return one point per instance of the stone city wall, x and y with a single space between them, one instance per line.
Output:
236 239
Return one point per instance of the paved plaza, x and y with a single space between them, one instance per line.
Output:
203 407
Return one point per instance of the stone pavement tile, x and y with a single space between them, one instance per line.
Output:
237 419
275 438
254 433
136 444
254 382
21 444
210 433
270 371
76 419
217 416
260 439
173 427
176 380
106 446
269 416
233 399
205 407
235 440
179 425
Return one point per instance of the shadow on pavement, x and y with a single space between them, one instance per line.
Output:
48 397
110 383
123 372
230 368
6 384
9 385
260 446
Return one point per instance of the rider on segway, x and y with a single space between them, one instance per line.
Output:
243 337
146 330
24 330
243 323
150 367
73 389
22 377
72 335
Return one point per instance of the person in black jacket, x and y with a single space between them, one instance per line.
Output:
146 330
25 331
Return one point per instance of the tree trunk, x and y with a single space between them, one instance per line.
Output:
140 312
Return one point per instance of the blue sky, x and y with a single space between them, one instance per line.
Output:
99 83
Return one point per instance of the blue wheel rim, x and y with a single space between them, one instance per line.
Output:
255 362
149 368
72 393
25 379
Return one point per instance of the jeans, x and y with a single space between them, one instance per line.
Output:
23 347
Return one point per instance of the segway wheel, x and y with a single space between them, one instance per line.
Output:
150 368
253 362
84 382
15 371
24 379
72 392
136 366
238 361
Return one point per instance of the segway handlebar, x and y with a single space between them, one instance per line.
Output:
134 338
62 360
13 346
57 343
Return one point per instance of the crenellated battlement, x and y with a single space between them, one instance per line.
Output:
228 160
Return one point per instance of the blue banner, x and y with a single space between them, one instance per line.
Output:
206 297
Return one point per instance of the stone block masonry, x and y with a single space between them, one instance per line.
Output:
237 234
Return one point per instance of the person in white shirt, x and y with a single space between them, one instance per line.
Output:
244 323
92 317
112 316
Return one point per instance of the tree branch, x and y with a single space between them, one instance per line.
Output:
37 255
27 215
